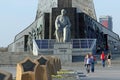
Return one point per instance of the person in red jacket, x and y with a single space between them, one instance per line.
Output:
102 57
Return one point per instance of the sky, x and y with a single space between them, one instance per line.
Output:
16 15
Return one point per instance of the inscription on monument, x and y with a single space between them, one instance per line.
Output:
62 48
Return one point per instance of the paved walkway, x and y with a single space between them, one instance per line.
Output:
107 73
103 75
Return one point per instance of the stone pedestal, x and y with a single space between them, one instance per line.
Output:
5 75
52 65
28 70
57 63
44 68
63 51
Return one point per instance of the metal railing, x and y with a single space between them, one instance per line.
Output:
76 43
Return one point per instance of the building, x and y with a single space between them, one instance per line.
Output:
106 21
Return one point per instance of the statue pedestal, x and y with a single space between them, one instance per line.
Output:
63 51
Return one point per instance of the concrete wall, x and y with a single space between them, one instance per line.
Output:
45 6
18 45
64 3
3 49
11 47
86 6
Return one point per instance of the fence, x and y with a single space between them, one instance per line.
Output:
47 45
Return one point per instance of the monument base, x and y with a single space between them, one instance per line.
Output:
63 51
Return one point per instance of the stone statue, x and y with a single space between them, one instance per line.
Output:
62 26
33 33
30 42
37 33
40 32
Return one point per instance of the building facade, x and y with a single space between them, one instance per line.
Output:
90 28
106 21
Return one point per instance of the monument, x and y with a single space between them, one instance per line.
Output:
79 22
44 25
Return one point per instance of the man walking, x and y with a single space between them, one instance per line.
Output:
102 57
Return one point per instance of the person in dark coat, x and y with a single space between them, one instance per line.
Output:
92 57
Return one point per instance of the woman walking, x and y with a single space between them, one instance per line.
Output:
109 59
87 62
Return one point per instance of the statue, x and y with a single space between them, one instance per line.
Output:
34 33
40 32
29 42
62 26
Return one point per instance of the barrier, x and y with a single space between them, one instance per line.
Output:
5 75
28 70
44 68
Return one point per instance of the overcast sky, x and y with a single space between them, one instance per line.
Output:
16 15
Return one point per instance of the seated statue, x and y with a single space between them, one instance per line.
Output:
62 26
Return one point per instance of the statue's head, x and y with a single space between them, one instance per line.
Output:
63 12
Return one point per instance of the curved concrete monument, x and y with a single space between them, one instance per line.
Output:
62 26
44 25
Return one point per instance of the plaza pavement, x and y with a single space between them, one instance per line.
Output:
107 73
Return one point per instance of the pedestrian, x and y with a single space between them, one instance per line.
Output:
93 59
109 59
87 62
102 57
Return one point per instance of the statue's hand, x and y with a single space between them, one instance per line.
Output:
58 27
67 26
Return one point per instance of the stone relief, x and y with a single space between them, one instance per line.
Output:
36 33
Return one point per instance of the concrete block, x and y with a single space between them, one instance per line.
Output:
28 70
52 65
44 68
5 75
